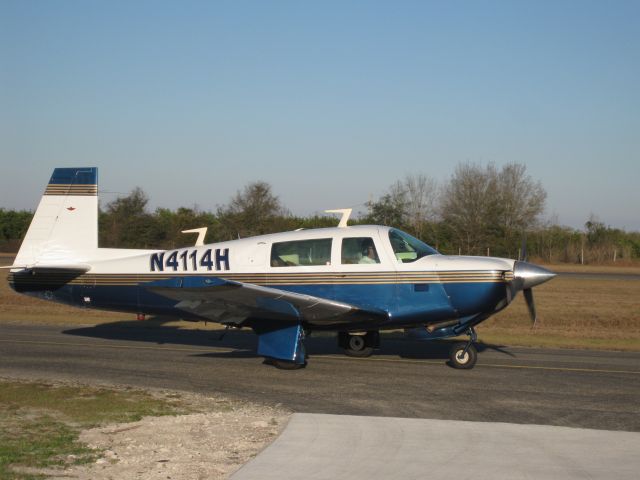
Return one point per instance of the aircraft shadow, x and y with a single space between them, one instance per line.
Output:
155 330
243 343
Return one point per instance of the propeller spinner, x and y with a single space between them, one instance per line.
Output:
526 276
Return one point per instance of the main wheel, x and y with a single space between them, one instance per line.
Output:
458 358
356 346
284 364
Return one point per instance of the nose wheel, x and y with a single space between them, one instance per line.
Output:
464 355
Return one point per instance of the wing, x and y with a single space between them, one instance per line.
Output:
223 300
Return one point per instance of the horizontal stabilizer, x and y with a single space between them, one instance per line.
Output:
79 267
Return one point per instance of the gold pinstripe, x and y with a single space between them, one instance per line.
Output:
72 189
342 278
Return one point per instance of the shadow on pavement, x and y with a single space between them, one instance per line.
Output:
243 343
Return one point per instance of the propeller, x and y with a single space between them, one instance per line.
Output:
526 276
531 305
523 248
528 292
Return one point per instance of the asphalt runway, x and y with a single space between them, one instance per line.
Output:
600 276
407 378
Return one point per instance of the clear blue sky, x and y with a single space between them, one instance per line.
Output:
330 102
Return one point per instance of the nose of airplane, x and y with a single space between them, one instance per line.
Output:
529 275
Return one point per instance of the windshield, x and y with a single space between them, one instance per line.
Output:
408 248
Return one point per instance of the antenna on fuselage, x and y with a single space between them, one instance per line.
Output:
346 213
202 232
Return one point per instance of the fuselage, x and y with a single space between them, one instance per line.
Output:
373 267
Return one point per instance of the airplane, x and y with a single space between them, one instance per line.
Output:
353 280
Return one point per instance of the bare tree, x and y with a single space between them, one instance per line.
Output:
466 204
410 203
521 199
486 207
421 194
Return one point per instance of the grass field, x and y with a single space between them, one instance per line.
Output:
40 423
577 268
572 312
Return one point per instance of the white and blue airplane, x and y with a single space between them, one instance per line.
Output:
354 280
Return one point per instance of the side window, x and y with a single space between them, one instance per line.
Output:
301 253
359 250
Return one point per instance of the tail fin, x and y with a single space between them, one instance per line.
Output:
65 226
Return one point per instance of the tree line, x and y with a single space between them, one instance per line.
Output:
479 210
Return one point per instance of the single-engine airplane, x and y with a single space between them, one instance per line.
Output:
353 280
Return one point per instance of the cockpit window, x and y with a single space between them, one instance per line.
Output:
407 248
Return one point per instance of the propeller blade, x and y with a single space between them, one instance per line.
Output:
523 248
528 297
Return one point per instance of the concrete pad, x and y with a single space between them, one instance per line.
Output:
315 446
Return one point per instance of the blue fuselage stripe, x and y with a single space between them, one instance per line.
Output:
405 303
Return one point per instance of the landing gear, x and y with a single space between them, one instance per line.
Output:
359 345
281 346
284 364
463 355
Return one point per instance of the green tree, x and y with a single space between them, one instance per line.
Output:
125 223
13 228
389 210
254 210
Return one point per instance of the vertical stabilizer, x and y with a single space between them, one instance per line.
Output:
65 225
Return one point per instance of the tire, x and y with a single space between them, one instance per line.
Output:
284 364
463 362
356 346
